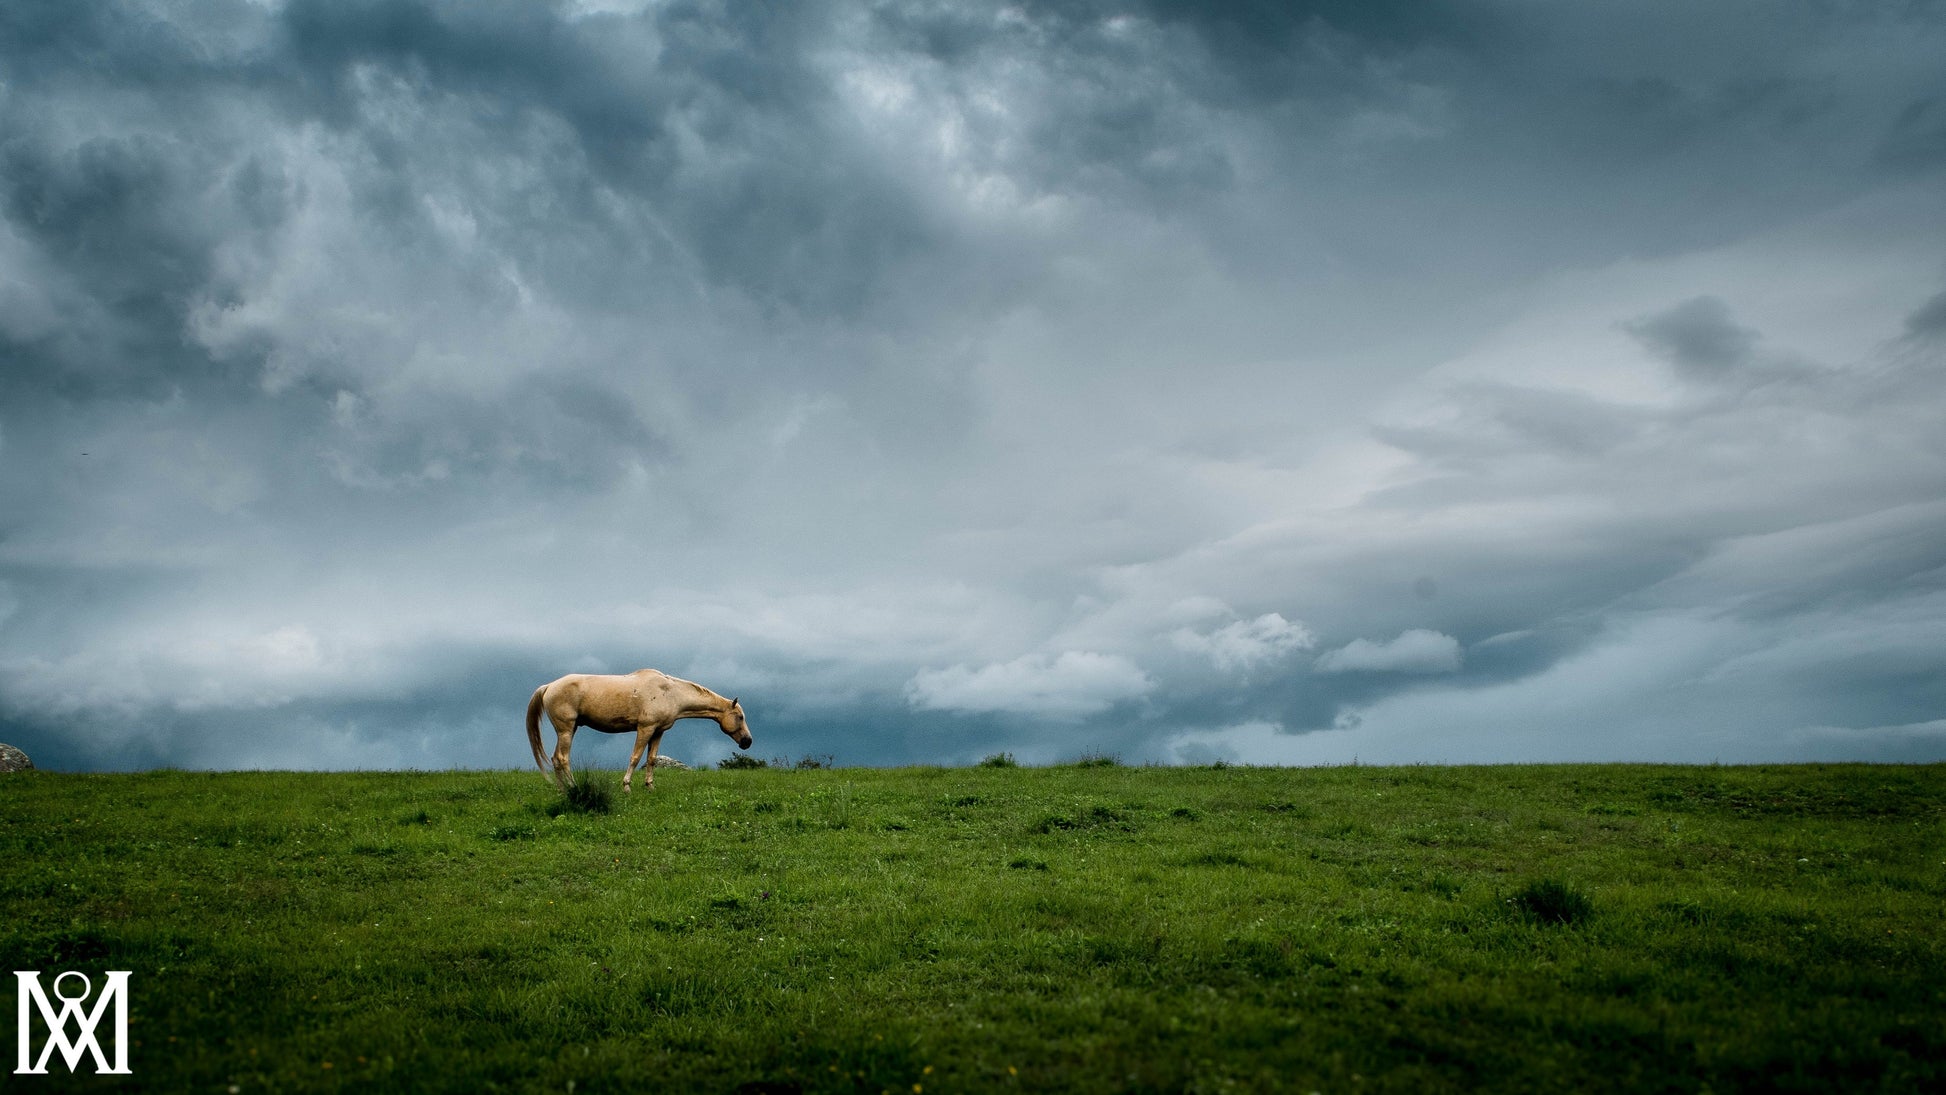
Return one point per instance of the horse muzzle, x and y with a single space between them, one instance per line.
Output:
743 742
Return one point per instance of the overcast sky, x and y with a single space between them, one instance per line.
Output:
1279 383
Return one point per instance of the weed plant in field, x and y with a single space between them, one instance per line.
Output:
592 792
806 763
1550 901
1090 929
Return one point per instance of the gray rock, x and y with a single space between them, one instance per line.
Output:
670 762
13 760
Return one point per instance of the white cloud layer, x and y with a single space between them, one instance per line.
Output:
1072 685
1246 644
1414 651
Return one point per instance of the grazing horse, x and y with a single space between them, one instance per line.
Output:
646 702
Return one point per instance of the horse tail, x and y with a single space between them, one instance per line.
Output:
534 726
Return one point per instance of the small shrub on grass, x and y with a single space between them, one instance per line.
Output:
741 760
1098 760
588 795
999 760
1551 902
1094 817
815 760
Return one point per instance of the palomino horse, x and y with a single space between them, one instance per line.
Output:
646 702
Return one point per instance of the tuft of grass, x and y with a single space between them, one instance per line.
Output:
737 761
1096 760
814 762
836 804
1094 817
1219 859
999 760
1551 901
588 794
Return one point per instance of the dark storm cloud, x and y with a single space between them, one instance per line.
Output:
123 256
710 115
1929 321
956 378
693 139
1697 336
1917 137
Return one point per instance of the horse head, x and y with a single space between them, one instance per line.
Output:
735 725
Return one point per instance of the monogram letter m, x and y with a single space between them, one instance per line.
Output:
57 1022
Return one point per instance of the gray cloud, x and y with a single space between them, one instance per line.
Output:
1929 321
1415 651
1049 378
1917 137
1697 336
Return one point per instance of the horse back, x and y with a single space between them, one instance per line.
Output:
615 702
603 702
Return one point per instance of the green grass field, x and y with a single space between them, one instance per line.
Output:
1585 928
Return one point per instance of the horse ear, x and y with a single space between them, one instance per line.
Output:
733 702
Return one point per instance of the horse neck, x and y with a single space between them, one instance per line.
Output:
701 703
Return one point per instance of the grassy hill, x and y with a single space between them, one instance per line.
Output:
1589 928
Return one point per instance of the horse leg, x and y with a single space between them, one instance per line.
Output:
648 768
641 742
563 741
